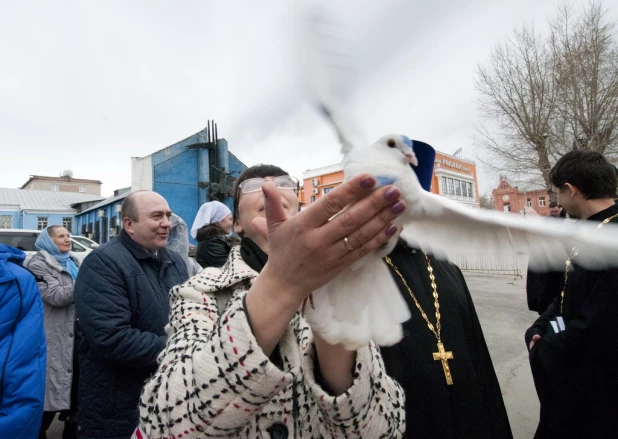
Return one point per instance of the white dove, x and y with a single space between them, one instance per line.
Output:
363 302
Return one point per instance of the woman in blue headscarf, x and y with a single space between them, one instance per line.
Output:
54 264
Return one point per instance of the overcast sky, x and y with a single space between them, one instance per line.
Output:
86 85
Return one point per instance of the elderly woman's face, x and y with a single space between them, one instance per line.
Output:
227 223
62 239
251 205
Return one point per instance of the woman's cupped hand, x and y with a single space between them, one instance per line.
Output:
309 249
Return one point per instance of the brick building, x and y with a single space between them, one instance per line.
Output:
510 198
64 183
453 177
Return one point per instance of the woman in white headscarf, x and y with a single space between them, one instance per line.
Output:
212 225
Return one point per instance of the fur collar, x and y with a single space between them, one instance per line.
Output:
209 231
52 262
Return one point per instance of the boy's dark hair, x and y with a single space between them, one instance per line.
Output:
254 172
553 204
588 171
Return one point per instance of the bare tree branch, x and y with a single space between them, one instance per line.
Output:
518 94
545 95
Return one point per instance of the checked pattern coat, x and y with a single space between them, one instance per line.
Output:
215 381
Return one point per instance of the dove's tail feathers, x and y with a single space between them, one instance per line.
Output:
359 306
389 308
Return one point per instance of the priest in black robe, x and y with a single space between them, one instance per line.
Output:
472 407
574 369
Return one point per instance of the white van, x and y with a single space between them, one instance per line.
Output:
24 239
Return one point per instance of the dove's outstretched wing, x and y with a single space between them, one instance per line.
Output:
325 71
445 227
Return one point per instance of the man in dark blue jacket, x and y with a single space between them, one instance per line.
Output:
23 350
121 298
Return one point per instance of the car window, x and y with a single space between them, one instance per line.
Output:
78 239
21 241
75 247
82 241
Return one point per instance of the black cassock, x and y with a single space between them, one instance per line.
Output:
574 371
473 406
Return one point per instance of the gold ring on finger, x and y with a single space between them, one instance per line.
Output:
347 244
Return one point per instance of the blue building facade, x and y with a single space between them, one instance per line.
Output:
186 174
102 221
34 209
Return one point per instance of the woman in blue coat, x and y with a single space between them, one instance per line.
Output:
22 348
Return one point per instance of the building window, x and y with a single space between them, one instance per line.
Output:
328 189
528 202
67 223
55 187
41 223
460 188
450 186
541 201
507 207
82 188
6 221
104 230
457 188
312 198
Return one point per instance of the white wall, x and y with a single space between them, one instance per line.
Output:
141 173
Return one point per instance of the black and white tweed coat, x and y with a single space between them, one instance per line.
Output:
215 381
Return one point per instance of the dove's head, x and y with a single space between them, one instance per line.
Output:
399 146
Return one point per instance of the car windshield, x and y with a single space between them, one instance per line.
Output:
77 247
21 241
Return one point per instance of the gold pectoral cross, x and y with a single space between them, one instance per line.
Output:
444 356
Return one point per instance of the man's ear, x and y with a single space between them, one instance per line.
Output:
238 228
572 190
127 224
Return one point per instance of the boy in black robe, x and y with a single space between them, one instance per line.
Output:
574 369
472 407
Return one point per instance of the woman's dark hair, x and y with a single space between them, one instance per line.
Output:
588 171
254 172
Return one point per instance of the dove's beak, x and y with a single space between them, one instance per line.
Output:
412 159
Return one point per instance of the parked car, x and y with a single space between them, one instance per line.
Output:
86 242
24 239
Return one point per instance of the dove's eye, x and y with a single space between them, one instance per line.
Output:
391 143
